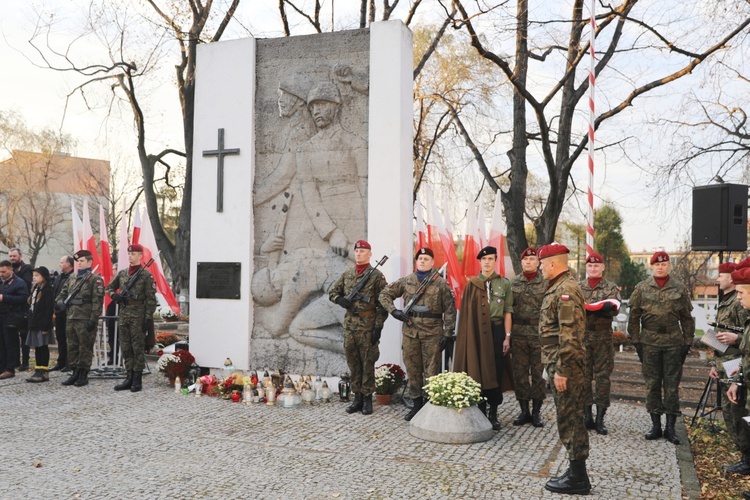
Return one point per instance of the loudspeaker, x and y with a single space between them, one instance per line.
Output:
720 217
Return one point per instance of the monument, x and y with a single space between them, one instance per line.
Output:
302 147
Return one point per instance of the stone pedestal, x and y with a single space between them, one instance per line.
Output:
451 426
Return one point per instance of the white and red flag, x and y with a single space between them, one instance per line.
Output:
124 242
77 228
89 242
106 256
421 229
503 266
470 264
441 242
146 238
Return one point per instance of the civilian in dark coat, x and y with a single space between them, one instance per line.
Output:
41 303
13 306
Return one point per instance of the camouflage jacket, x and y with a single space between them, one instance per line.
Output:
527 300
362 315
143 303
437 299
87 304
598 321
661 315
730 312
562 325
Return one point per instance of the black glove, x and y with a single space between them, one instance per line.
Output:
375 336
608 308
399 315
685 351
90 325
60 306
344 302
118 298
446 342
639 350
144 326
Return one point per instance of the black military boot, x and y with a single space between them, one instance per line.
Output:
483 407
746 494
59 365
600 427
669 433
741 467
137 384
367 405
524 417
575 481
655 432
536 417
83 378
72 378
356 405
492 417
127 383
418 404
588 418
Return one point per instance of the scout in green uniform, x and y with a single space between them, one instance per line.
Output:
526 349
135 307
600 352
83 311
428 327
363 325
562 325
481 342
661 329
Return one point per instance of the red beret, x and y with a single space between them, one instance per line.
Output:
135 247
660 256
594 258
362 244
727 267
741 276
424 251
531 251
552 249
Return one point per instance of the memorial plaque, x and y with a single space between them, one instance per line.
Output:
218 280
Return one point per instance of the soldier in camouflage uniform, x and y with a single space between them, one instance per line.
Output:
428 327
600 352
732 313
562 326
363 324
661 329
526 349
136 307
83 312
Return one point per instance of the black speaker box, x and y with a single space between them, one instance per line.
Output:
720 217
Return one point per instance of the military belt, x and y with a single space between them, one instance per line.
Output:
663 329
75 302
553 340
132 302
427 315
526 322
365 313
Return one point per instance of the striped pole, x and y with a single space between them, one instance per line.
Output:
592 116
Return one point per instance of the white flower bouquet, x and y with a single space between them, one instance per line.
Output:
453 390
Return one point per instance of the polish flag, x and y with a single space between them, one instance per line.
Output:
456 277
470 264
77 228
441 242
106 257
434 223
88 238
124 242
146 238
137 231
421 229
504 266
481 235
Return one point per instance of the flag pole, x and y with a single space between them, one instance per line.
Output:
592 117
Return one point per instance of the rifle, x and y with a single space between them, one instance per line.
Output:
63 304
125 291
422 288
721 326
355 294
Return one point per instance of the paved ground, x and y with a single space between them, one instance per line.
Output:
95 443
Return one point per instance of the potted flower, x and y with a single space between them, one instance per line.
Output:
389 378
176 364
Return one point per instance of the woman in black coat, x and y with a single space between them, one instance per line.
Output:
41 335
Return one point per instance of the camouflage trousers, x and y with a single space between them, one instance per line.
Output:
738 429
132 343
422 360
662 370
361 356
80 344
569 405
600 361
527 360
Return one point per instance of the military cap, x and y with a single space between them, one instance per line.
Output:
529 252
296 84
660 256
727 267
594 258
362 244
82 253
552 249
135 247
43 272
741 276
424 251
488 250
324 91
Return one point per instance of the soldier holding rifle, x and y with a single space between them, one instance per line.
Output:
357 291
429 318
137 303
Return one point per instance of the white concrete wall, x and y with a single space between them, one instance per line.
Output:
390 207
224 98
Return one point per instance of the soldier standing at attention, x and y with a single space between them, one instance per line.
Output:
526 350
428 327
600 351
66 271
83 311
137 303
661 329
562 325
363 325
481 341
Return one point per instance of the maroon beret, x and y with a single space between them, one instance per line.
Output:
529 252
135 247
82 253
727 267
741 276
424 251
660 256
594 258
552 249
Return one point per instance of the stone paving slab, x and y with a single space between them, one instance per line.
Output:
94 442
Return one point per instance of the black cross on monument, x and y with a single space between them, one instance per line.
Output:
220 154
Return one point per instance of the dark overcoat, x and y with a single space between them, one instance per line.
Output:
474 345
